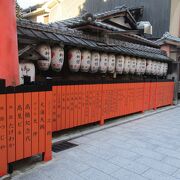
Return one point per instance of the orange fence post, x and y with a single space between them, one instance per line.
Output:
79 105
59 105
91 103
144 97
156 88
94 113
122 99
19 98
83 89
152 95
3 136
79 97
63 114
11 127
75 93
71 106
35 122
54 113
67 110
172 92
27 125
90 99
99 102
48 130
86 108
103 86
42 109
72 120
86 104
147 87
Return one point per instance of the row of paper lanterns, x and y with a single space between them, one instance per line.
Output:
87 61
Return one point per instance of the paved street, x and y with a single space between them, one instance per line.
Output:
148 148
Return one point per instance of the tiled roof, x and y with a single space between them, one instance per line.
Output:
115 11
111 12
142 39
167 36
33 8
79 21
41 32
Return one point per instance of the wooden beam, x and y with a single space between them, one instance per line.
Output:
23 50
92 27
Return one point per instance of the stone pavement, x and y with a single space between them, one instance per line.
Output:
148 148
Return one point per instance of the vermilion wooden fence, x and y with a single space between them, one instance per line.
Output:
29 116
25 126
76 105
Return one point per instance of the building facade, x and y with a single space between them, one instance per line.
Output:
167 11
174 27
171 44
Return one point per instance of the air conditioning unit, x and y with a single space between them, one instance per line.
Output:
145 26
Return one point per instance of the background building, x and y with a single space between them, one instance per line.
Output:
164 15
171 45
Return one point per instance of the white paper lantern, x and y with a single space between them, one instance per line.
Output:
26 69
132 65
21 70
74 59
149 67
120 64
143 66
57 59
138 66
45 51
127 65
158 68
165 69
85 60
111 63
157 64
103 67
95 62
155 70
162 69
